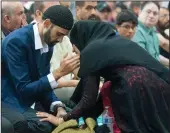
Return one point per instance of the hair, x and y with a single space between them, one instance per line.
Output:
148 2
126 16
135 4
121 6
7 8
80 3
38 5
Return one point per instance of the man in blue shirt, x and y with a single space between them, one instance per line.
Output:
26 77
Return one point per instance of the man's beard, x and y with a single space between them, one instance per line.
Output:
163 26
94 17
47 38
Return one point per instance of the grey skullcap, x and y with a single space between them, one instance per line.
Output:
60 16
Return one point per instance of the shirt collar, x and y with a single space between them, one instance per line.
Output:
5 31
148 30
37 39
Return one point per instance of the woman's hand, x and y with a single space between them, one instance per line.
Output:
50 118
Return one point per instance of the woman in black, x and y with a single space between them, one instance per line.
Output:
140 93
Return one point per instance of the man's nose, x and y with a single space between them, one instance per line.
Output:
93 11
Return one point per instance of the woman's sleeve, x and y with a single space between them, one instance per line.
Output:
96 110
89 97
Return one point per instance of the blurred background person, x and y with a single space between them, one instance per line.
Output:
112 5
163 21
126 23
126 3
40 7
103 11
65 3
119 7
12 17
162 25
29 11
135 7
86 10
146 35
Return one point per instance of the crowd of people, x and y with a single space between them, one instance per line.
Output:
57 59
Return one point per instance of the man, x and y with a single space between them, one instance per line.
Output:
86 10
65 3
26 55
66 84
40 7
162 25
126 23
146 35
13 17
135 7
163 21
104 11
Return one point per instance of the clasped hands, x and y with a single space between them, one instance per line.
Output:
56 120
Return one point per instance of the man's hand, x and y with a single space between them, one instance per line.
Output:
67 65
61 112
50 118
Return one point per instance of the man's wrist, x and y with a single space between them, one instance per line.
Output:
58 107
57 74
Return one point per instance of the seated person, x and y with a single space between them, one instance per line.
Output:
146 35
126 22
26 78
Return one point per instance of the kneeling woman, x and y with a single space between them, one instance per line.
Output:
140 93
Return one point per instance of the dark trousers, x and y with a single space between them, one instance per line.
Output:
26 122
6 126
15 118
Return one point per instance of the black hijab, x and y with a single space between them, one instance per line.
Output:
102 48
84 32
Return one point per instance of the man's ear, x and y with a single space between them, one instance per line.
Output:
47 23
38 13
7 19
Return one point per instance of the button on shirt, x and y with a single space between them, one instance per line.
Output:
147 39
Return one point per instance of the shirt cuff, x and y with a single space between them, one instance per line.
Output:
53 104
52 81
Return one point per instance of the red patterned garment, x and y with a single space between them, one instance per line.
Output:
105 93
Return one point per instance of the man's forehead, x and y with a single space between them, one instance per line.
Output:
151 6
61 30
164 10
19 8
92 3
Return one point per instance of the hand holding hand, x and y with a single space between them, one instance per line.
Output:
67 65
50 118
61 112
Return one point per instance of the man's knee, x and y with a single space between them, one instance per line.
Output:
7 127
21 127
40 127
